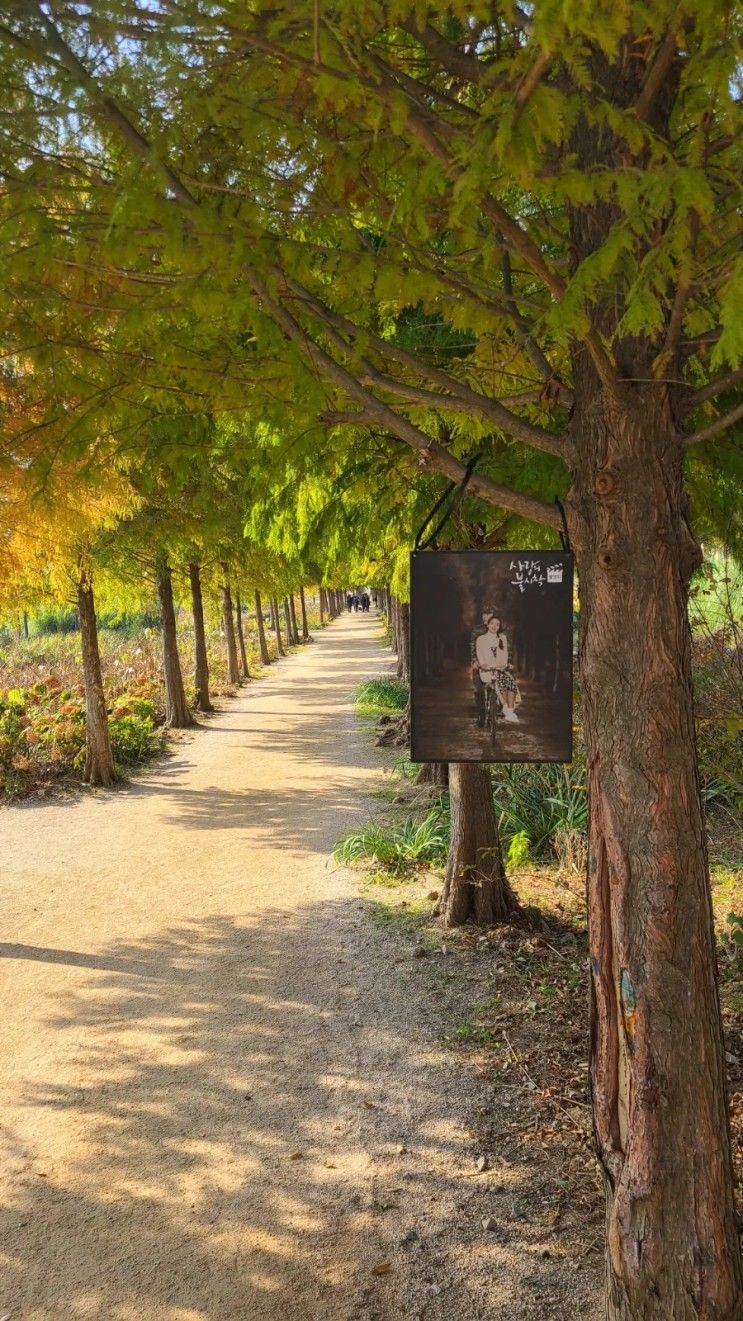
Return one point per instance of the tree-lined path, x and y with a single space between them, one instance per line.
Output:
210 1066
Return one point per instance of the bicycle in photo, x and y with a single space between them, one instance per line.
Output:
492 705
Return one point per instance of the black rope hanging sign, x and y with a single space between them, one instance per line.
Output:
452 497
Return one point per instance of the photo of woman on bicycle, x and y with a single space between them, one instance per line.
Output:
495 670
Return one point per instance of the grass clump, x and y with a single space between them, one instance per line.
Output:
398 846
543 807
382 696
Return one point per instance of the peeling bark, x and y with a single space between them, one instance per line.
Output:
657 1065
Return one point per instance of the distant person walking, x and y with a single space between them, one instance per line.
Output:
365 602
349 602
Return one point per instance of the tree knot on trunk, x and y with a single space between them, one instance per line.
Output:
603 482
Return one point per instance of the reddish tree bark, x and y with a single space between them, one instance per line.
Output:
177 714
201 674
99 762
277 626
403 641
228 620
288 631
435 773
241 635
475 885
657 1066
262 644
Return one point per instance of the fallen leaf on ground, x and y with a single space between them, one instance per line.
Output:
383 1268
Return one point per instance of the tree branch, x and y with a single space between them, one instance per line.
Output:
467 67
714 429
656 75
714 388
532 79
540 360
431 454
490 409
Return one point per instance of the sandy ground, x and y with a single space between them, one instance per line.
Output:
223 1089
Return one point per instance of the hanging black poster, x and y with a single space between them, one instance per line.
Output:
491 655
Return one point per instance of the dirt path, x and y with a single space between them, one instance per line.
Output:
212 1058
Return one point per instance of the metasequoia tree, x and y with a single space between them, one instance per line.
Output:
562 188
177 714
50 533
201 666
228 621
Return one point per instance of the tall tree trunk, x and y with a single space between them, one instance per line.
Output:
393 627
276 626
177 714
475 886
241 634
322 606
25 624
305 627
657 1067
262 644
228 620
201 676
288 632
293 612
435 773
403 656
99 762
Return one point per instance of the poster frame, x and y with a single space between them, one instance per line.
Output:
567 557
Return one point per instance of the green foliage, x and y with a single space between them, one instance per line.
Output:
380 696
518 851
50 621
133 738
538 803
398 846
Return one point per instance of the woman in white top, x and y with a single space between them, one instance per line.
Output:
492 659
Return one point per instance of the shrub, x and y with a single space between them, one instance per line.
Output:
133 738
541 803
409 843
379 695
